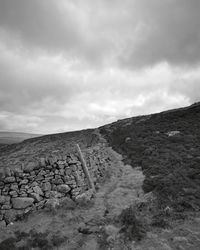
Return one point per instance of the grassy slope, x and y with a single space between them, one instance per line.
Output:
16 154
171 164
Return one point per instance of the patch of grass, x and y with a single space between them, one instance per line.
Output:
132 227
8 244
33 240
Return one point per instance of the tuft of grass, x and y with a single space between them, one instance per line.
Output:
132 227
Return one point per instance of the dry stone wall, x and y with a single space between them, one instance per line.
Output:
30 186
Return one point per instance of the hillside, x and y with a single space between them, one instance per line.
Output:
169 161
15 137
147 180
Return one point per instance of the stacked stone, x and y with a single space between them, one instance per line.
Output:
32 185
98 162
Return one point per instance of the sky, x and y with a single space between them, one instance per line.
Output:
73 64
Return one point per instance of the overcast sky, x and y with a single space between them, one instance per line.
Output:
74 64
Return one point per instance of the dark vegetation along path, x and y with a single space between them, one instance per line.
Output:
167 148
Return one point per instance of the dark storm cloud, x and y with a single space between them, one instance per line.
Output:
50 25
71 64
167 31
39 23
131 33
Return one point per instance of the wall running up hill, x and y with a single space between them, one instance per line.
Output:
30 187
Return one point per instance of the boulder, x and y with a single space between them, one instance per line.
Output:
9 179
64 188
22 202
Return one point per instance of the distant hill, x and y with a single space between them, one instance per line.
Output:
15 137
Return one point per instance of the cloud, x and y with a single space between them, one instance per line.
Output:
129 33
68 65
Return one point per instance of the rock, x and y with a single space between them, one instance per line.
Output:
52 204
6 207
9 179
2 174
35 196
55 194
180 239
46 186
42 162
85 197
7 172
68 171
11 215
42 172
2 200
72 162
2 224
67 203
13 194
58 181
17 171
48 167
40 204
22 202
173 133
29 167
38 190
34 184
64 188
111 230
127 139
23 182
39 178
14 187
